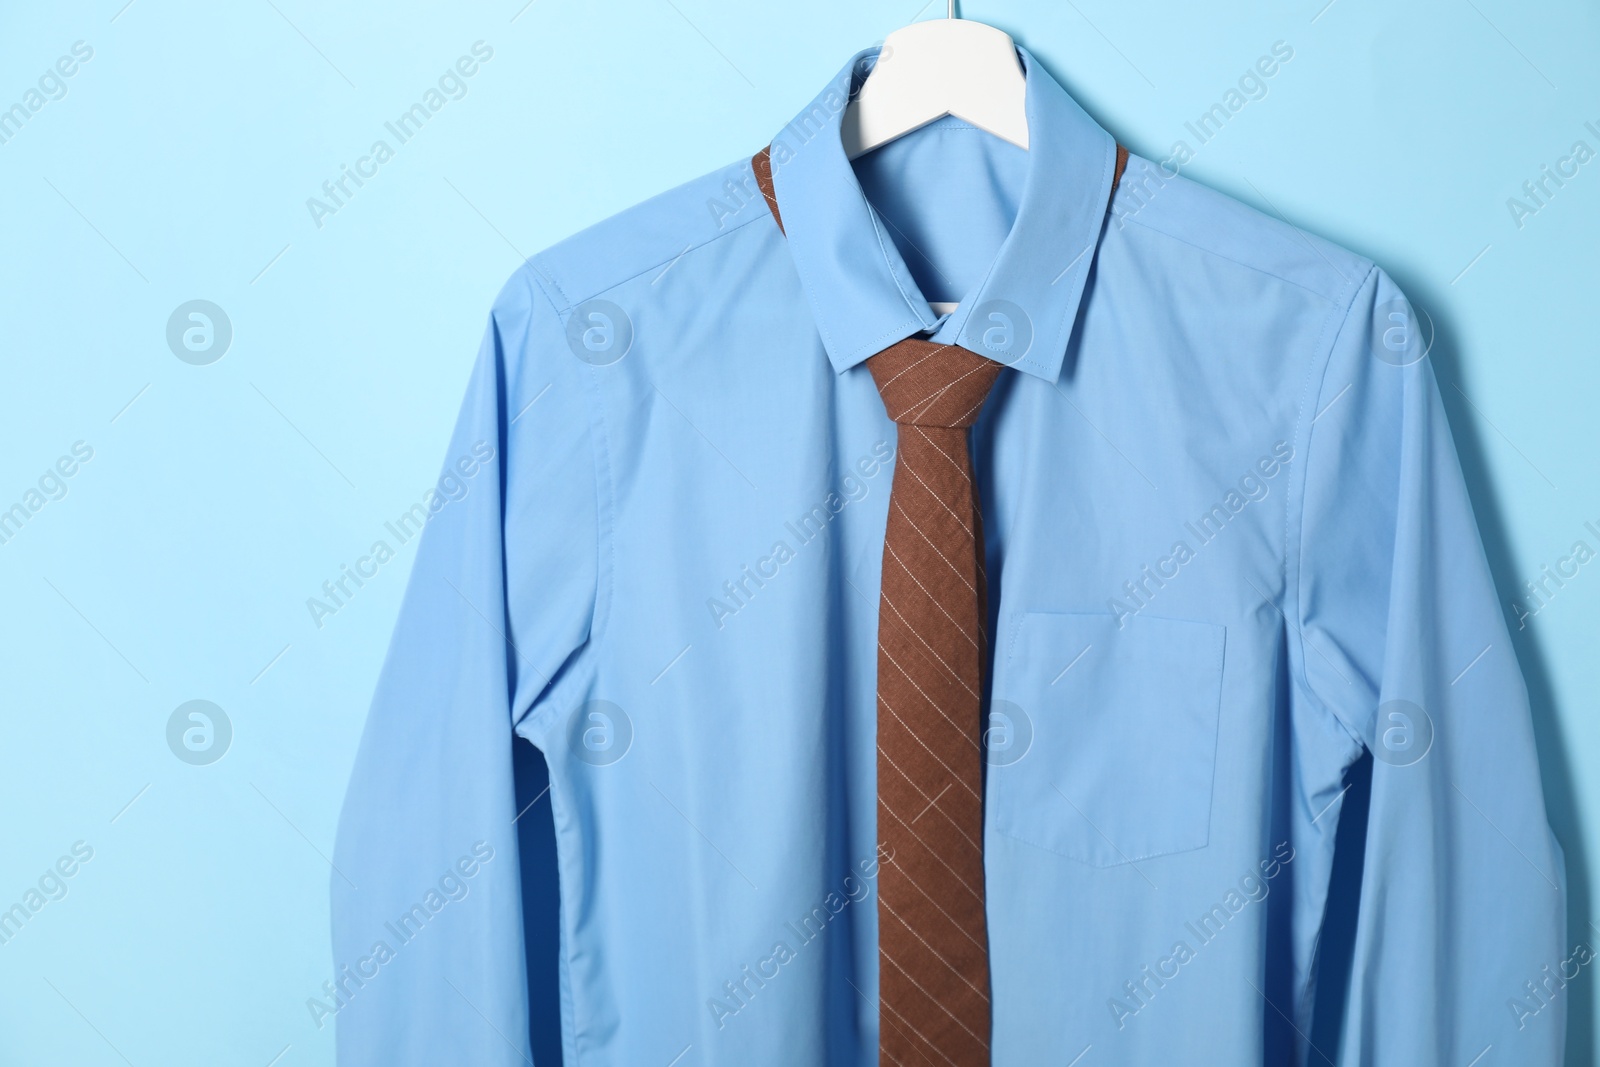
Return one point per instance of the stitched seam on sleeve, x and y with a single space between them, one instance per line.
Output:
547 282
1316 382
594 430
605 508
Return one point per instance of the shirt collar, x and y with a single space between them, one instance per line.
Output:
862 296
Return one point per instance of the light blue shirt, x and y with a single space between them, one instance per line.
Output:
1229 550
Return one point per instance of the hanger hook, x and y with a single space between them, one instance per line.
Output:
952 13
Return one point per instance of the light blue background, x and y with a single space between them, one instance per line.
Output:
177 166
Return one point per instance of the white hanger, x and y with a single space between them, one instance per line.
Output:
940 67
928 70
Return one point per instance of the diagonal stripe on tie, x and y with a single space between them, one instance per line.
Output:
932 931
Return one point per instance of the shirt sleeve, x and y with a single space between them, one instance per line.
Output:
426 893
1402 640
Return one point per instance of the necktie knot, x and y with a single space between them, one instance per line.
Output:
924 384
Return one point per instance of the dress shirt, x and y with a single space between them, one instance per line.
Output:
1229 552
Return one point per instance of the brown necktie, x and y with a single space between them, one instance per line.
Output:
933 980
933 983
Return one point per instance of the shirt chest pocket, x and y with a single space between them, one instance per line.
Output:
1102 739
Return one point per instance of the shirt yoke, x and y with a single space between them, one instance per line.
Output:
1212 222
649 235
